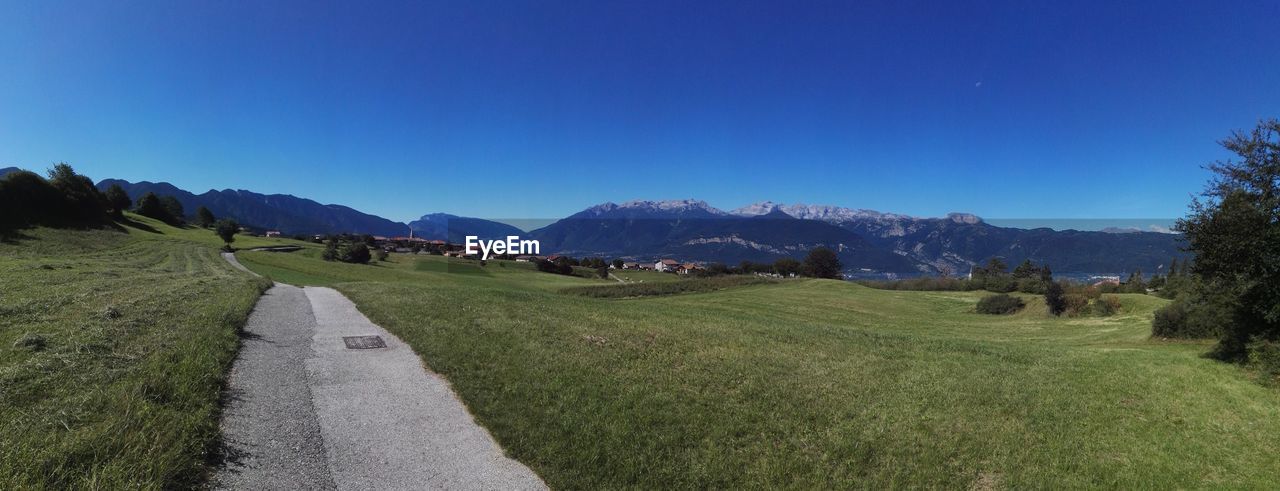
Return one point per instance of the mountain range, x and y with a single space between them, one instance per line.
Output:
869 243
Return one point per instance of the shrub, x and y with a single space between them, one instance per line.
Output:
1265 356
1106 306
1077 305
381 254
1000 304
1194 316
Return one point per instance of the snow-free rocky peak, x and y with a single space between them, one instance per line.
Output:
641 208
825 213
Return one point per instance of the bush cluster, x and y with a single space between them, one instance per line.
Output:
64 199
1000 304
1265 356
1197 314
350 252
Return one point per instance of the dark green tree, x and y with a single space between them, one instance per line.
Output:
1027 269
174 209
118 200
330 250
786 267
149 206
83 201
617 264
204 217
1055 298
356 253
1233 229
822 262
226 229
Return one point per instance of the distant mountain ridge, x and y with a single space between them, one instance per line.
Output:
292 215
870 242
693 230
286 213
455 229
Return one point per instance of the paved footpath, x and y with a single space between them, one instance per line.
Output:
307 412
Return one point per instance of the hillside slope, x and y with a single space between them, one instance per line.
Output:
113 346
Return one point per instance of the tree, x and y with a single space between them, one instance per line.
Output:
786 267
617 264
330 249
204 217
118 200
1135 284
1027 269
149 206
1055 298
823 263
83 201
357 253
174 209
1046 274
1233 229
995 267
226 229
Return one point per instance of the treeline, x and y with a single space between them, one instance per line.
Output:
68 199
65 199
821 262
994 276
1232 290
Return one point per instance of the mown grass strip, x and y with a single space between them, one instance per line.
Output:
656 289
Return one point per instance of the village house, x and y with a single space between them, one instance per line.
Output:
666 266
631 265
273 233
687 268
524 259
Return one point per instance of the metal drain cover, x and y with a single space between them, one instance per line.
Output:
364 342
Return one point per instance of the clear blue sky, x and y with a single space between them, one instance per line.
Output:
538 109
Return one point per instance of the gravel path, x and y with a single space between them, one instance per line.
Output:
304 411
231 258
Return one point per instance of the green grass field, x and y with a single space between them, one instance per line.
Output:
813 383
113 348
